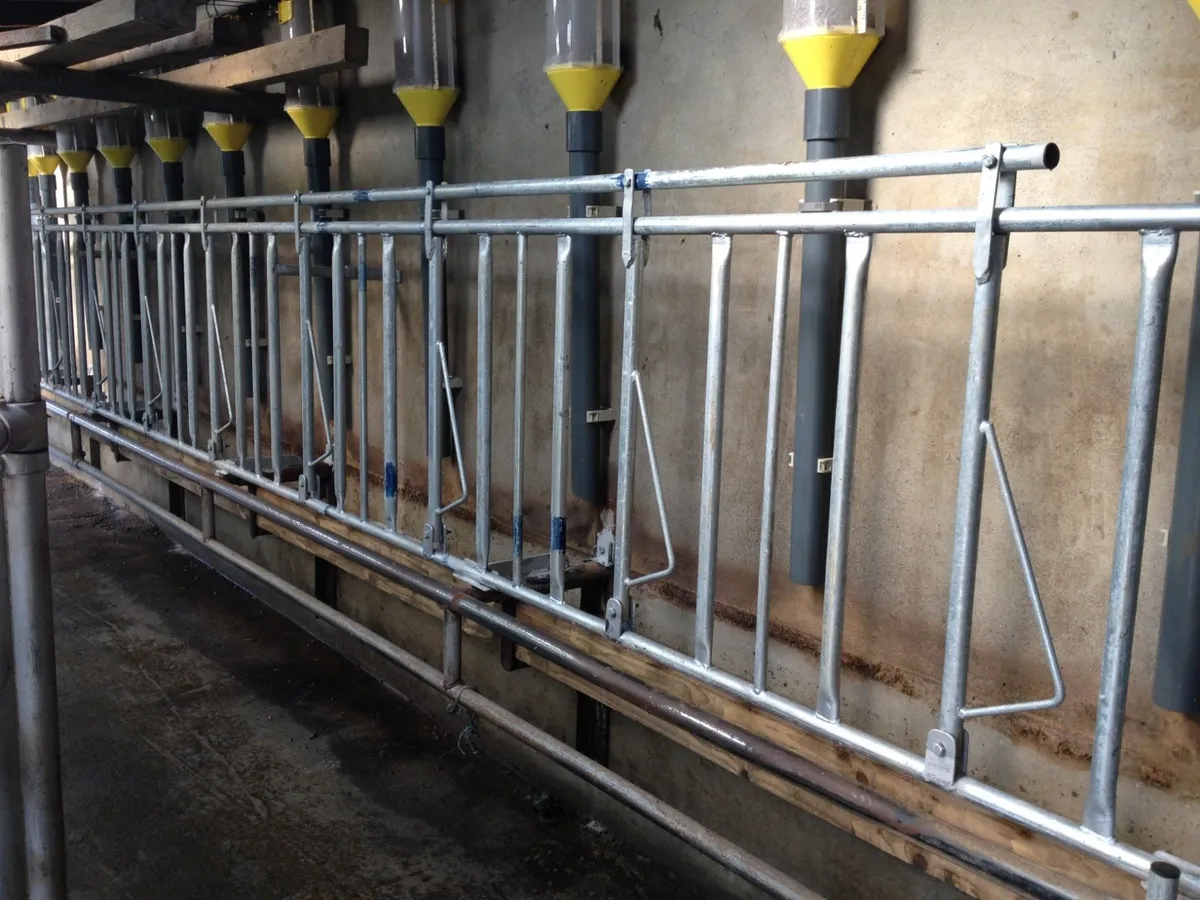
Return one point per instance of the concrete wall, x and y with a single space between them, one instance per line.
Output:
1115 83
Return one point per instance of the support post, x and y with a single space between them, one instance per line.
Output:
1159 250
28 540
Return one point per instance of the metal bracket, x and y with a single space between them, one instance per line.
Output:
825 466
23 427
844 204
985 225
601 416
606 546
601 212
628 182
943 758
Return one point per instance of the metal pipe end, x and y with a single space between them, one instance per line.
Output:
1051 156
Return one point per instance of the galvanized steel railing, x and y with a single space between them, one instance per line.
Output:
87 316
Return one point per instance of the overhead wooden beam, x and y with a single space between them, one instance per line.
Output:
211 37
33 36
23 80
109 26
329 50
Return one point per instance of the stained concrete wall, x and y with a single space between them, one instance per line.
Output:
1113 82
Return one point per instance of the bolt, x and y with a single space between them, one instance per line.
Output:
989 161
939 749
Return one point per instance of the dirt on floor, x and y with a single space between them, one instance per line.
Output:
213 750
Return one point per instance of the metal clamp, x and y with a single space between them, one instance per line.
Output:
943 758
636 380
429 220
840 204
985 225
205 240
628 181
23 427
296 218
601 416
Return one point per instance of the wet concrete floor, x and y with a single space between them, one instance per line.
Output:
213 750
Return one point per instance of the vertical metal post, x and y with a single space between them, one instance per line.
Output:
166 340
28 538
214 349
91 315
189 339
483 405
125 290
75 261
390 349
341 393
451 648
364 444
560 430
307 349
238 339
618 611
178 344
255 353
144 323
274 364
40 299
518 498
845 427
1159 250
435 535
714 423
762 615
12 833
1163 883
944 746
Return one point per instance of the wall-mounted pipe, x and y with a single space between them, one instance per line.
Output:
828 43
167 138
425 45
117 138
76 146
583 64
1177 666
230 134
312 107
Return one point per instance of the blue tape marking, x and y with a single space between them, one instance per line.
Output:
639 181
621 181
362 196
362 272
558 533
518 534
389 480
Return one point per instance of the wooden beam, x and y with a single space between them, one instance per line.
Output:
34 36
967 822
211 37
329 50
23 80
109 26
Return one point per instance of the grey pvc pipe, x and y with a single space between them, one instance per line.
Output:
584 144
822 270
1177 667
431 167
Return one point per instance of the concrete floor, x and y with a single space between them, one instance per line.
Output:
211 749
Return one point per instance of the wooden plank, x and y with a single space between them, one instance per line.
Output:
930 860
211 37
963 817
109 26
26 80
329 50
34 36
